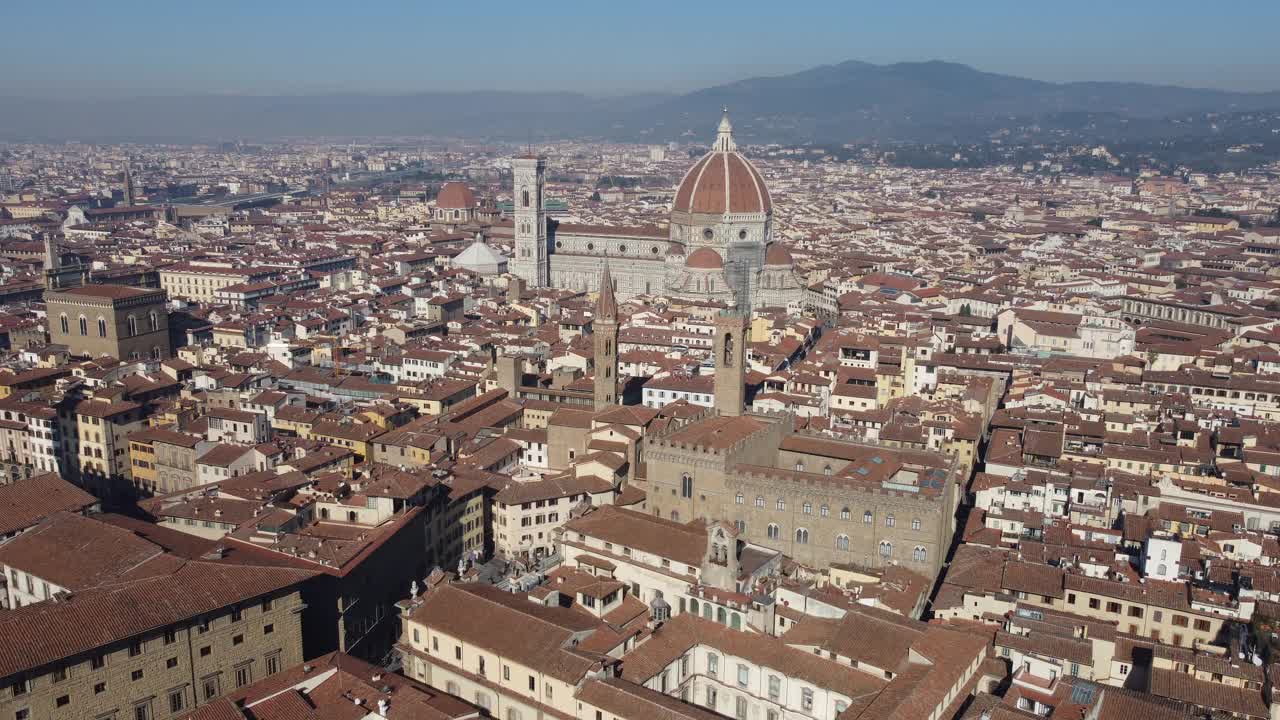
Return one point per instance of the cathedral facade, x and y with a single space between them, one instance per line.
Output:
717 247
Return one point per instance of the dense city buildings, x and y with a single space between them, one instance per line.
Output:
407 428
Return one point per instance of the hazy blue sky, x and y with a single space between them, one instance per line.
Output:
270 46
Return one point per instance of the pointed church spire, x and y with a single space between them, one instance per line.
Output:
605 332
606 303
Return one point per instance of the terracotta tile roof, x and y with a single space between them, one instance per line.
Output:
687 631
164 436
109 292
619 698
325 687
1123 704
1033 578
76 552
25 503
47 632
509 625
847 637
685 543
717 432
222 455
516 493
105 408
1218 696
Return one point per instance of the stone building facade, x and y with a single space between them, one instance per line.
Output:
104 466
818 499
166 457
122 322
187 643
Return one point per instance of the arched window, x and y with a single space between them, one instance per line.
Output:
773 531
155 321
919 553
84 325
827 471
915 523
886 549
693 606
722 616
842 542
739 499
524 198
132 324
781 504
735 621
799 466
675 515
844 513
866 517
759 501
889 521
802 536
1161 569
824 511
707 611
66 326
102 327
741 525
156 352
686 485
807 508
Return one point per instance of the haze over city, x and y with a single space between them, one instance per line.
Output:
667 47
825 361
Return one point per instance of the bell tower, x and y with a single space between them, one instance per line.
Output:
730 354
530 262
605 334
128 184
56 275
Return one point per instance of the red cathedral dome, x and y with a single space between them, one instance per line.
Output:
704 259
456 196
723 181
778 254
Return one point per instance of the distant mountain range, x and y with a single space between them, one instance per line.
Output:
849 102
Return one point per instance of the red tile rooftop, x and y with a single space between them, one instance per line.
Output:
110 292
